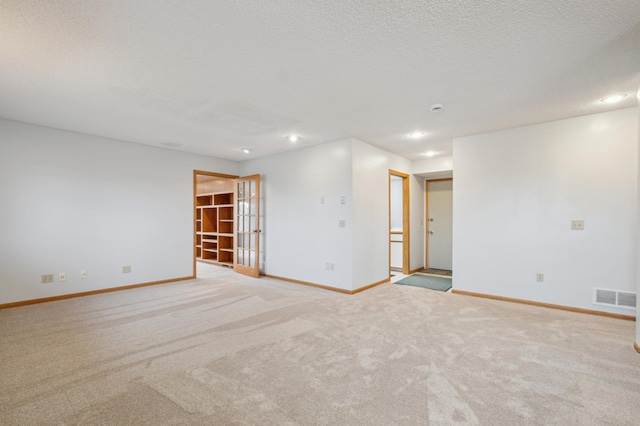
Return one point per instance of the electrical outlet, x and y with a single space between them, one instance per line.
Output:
577 225
83 274
342 223
126 269
62 276
47 278
540 277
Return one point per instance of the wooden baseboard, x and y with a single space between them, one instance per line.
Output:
326 287
546 305
415 270
90 293
367 287
636 346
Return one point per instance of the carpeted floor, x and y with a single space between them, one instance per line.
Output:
230 350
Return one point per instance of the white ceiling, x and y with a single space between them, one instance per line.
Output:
212 77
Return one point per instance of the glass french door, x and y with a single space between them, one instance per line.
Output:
246 259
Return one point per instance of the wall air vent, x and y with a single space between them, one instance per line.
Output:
608 297
622 299
626 299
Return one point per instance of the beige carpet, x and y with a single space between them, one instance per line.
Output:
231 350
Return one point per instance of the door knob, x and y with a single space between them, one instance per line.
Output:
430 219
430 232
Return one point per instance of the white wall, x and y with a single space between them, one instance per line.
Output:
515 193
418 219
300 234
434 168
371 213
72 201
638 233
396 203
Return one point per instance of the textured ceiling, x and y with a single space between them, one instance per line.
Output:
212 77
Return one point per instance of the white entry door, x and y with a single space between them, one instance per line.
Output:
440 224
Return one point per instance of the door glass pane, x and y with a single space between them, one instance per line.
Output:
252 257
260 259
246 237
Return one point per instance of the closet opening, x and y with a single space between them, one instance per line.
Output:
214 200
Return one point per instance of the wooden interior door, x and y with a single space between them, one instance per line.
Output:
246 259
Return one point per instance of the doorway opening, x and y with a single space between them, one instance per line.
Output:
399 203
226 221
213 226
439 229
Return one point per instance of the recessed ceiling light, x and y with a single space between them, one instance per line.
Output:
293 138
417 134
430 153
613 98
246 150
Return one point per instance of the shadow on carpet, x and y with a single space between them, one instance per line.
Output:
426 281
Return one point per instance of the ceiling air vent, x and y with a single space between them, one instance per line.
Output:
622 299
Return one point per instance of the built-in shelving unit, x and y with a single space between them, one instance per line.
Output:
214 227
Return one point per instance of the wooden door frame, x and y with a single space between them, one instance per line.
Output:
426 215
195 204
406 203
